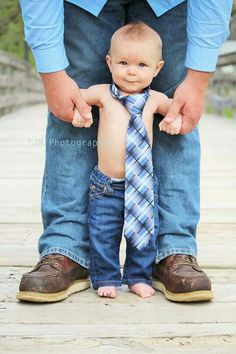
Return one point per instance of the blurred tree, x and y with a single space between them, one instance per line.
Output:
11 30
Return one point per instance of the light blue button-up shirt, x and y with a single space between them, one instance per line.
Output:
207 29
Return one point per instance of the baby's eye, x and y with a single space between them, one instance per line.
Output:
142 65
122 62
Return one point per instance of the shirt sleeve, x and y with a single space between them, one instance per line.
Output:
207 29
44 32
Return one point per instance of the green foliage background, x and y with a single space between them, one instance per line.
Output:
12 32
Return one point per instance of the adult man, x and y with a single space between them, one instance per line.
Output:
192 33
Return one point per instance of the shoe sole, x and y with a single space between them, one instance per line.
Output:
75 287
193 296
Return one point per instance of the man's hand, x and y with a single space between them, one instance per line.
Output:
189 100
63 96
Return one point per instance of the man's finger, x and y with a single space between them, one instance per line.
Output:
83 108
173 112
186 127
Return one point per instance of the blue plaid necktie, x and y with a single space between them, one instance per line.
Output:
139 197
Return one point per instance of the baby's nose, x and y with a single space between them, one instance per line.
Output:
132 70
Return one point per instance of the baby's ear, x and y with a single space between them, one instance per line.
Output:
159 67
108 60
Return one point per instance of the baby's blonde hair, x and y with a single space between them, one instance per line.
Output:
138 31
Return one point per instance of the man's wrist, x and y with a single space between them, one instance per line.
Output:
200 78
50 80
57 75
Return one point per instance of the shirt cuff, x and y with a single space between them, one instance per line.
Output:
50 60
201 58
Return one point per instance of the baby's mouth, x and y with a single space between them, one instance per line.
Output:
131 81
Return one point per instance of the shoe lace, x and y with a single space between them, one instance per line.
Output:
50 259
187 261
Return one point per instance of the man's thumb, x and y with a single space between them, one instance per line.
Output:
173 112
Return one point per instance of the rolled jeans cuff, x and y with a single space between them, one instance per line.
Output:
165 254
98 284
65 253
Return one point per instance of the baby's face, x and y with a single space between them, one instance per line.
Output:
133 65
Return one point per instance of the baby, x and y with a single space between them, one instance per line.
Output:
134 59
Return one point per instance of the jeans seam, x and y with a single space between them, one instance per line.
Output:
44 194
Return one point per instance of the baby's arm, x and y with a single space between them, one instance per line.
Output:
92 97
163 106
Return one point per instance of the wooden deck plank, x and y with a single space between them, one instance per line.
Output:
29 212
25 192
209 256
106 311
18 245
104 330
216 345
223 284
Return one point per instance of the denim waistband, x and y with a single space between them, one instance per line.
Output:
101 179
98 177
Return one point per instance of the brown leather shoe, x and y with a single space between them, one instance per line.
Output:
180 279
54 278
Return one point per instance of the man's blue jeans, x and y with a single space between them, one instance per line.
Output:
71 152
106 219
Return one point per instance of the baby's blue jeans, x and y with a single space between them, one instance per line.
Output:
71 152
106 219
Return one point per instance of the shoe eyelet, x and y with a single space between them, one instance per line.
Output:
56 264
61 257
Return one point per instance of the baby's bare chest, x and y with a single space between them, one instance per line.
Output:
114 114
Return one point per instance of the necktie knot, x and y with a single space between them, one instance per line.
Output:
133 103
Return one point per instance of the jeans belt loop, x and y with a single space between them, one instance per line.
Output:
108 188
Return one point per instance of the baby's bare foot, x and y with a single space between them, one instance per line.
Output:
107 291
142 290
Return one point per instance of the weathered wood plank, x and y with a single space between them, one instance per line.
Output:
11 275
218 215
18 245
227 59
128 309
20 84
21 203
103 330
21 254
216 345
224 289
28 232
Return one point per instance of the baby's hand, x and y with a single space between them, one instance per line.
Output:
80 122
173 127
